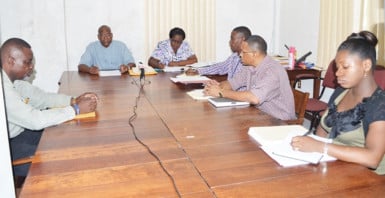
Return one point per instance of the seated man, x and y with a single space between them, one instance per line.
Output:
233 63
106 54
264 82
173 51
30 109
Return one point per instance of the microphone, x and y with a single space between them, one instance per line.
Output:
141 68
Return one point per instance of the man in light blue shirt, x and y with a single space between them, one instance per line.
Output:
106 54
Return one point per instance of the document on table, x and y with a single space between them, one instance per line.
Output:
109 73
183 78
175 68
275 141
227 102
198 94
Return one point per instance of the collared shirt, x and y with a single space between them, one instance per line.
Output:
269 82
230 66
165 54
26 107
109 58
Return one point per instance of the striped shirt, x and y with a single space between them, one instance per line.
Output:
269 82
230 66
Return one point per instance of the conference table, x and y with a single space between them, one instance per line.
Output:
205 150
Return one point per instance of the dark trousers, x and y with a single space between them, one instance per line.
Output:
24 145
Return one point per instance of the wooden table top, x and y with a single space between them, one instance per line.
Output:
206 150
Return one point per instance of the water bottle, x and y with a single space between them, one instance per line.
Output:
292 53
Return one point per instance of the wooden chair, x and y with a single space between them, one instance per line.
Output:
316 106
300 101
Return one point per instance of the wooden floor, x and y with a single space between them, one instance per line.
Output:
206 150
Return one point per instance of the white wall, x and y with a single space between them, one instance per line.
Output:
258 15
298 27
59 30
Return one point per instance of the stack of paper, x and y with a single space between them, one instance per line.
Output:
198 94
283 60
109 73
275 141
183 78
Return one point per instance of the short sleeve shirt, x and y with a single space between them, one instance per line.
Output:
269 82
109 58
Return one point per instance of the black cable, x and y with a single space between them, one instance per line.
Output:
131 119
187 156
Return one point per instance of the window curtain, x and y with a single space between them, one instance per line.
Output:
195 17
339 18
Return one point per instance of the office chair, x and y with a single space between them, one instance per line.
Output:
315 106
300 101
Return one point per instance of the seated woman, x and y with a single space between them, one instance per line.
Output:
355 118
173 51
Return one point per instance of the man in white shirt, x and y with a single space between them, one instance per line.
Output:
30 109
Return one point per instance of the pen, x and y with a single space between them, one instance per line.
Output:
308 132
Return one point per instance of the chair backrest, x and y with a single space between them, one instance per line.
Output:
300 102
379 76
330 79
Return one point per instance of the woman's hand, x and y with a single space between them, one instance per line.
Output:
306 144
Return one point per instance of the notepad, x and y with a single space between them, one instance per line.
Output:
227 102
85 115
275 141
135 71
198 94
109 73
183 78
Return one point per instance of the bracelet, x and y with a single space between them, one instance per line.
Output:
325 149
220 94
76 107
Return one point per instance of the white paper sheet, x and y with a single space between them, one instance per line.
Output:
110 73
175 69
275 141
198 94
